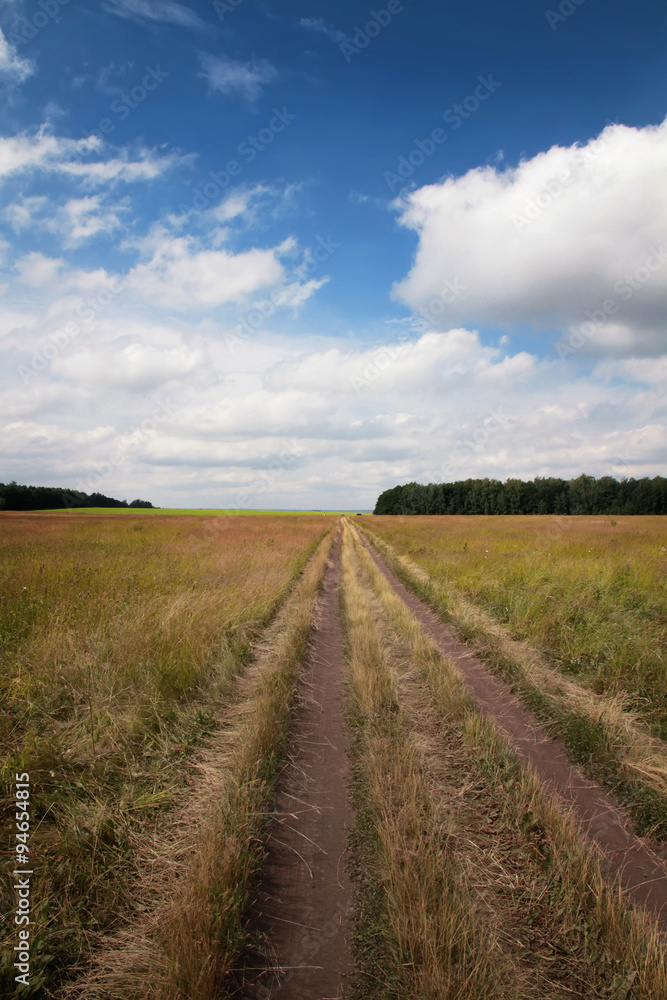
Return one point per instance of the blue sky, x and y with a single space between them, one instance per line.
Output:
261 255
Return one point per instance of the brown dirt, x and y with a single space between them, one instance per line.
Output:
641 873
303 898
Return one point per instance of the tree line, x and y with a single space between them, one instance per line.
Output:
13 496
583 495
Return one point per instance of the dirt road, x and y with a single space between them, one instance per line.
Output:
302 905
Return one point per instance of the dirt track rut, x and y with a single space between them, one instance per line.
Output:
641 873
302 904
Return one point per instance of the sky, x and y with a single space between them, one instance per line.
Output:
261 255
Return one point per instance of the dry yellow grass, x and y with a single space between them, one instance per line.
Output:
614 734
616 950
589 592
195 875
121 641
431 942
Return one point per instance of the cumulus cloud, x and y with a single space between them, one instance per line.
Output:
24 212
229 76
429 408
49 153
11 65
77 220
82 218
570 232
135 366
184 277
38 271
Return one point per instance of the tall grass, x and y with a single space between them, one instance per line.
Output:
196 878
559 882
590 592
120 640
605 733
425 937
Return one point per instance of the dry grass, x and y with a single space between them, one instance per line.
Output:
606 731
431 944
197 875
604 948
589 592
121 640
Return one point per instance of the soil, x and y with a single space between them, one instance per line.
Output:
302 903
641 872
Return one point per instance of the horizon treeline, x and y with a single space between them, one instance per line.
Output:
13 496
583 495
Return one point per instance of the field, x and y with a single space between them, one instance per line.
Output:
121 639
590 592
156 686
573 613
213 512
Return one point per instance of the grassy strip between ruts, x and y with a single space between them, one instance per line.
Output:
192 879
609 742
446 910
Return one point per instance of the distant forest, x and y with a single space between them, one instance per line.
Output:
583 495
16 497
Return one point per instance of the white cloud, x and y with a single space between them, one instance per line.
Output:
147 167
551 240
155 10
11 65
229 76
182 276
23 214
76 221
48 153
135 367
293 295
41 151
82 218
355 419
52 276
38 271
112 77
319 25
244 203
